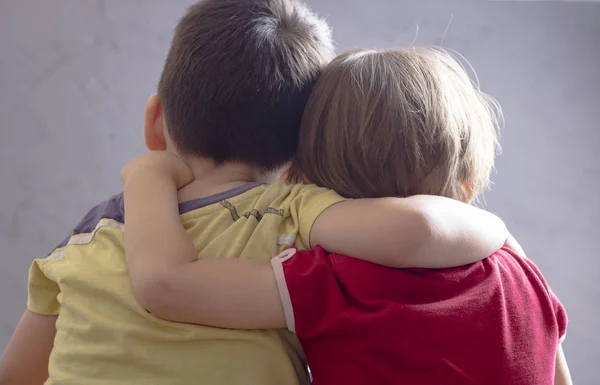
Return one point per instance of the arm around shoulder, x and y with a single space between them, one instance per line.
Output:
227 293
419 231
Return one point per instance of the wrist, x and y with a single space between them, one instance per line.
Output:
147 178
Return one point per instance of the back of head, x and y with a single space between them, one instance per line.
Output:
238 75
398 123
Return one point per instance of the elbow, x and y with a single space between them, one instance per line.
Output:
427 233
423 237
153 292
418 233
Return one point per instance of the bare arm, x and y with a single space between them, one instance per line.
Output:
236 294
420 231
170 281
562 376
25 360
512 244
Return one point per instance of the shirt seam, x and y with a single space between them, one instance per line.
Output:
284 293
211 208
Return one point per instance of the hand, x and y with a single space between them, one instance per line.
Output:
161 164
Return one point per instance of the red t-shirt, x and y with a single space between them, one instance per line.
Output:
491 322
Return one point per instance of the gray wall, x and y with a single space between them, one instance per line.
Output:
75 75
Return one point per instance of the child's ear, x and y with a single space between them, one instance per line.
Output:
468 192
154 125
292 175
285 174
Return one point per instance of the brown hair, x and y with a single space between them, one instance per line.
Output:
398 123
238 75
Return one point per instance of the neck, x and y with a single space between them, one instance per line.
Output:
211 178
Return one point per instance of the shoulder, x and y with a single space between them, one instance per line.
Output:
109 213
294 190
302 205
532 278
112 209
510 260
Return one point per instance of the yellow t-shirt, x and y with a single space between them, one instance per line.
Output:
105 337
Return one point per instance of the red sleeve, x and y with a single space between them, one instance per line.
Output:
309 291
560 313
561 316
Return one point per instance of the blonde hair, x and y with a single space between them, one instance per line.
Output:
398 123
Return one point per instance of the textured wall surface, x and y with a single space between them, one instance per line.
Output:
75 75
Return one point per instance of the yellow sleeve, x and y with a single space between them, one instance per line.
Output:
42 292
308 203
